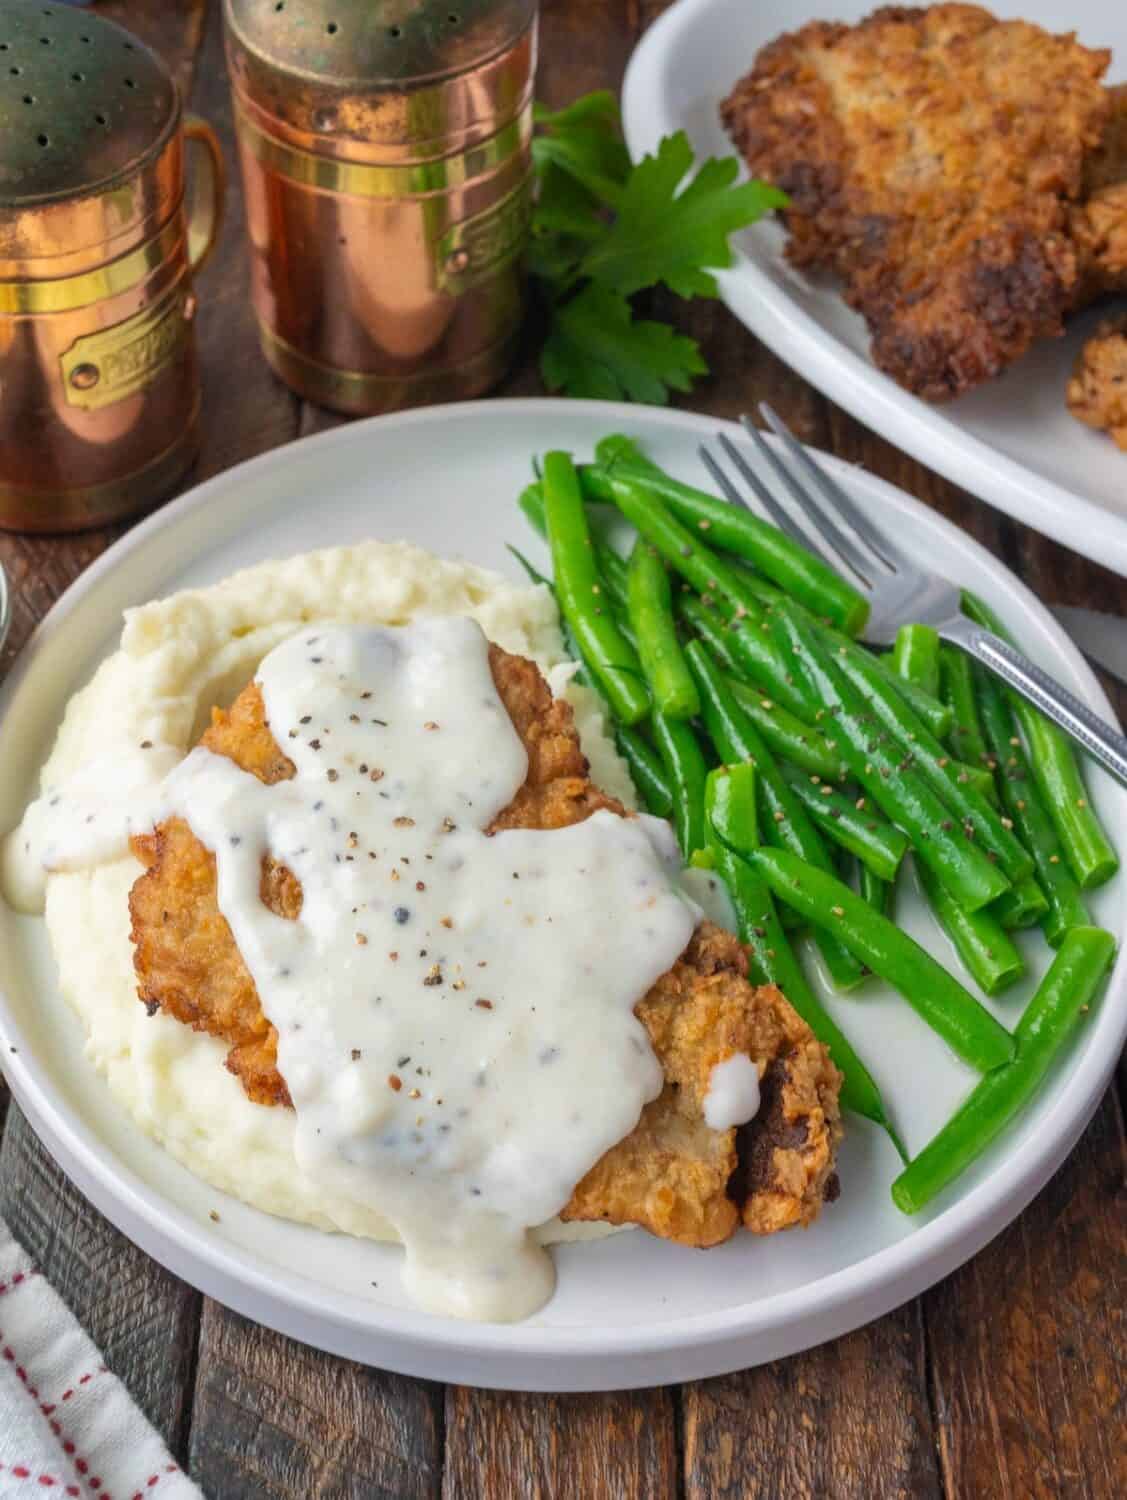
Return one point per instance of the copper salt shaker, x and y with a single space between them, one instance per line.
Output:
385 155
99 394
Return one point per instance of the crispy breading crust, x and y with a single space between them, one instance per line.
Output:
673 1174
931 157
1097 392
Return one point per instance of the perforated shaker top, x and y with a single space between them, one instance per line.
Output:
82 103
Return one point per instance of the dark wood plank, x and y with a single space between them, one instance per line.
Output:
510 1446
1029 1340
275 1420
140 1316
849 1420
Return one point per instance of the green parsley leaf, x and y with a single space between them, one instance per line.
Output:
660 235
603 229
597 348
585 142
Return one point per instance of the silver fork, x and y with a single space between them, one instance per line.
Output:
899 590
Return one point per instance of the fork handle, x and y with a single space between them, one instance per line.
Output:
1102 742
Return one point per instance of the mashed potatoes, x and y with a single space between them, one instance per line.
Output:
179 657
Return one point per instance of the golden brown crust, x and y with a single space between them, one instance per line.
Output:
673 1174
1097 391
931 157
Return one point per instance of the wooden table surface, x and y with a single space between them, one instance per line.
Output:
1007 1379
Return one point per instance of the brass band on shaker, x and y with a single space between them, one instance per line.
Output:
99 391
385 153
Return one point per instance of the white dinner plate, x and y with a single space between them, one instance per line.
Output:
1011 441
629 1310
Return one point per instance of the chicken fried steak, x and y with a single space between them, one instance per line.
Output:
673 1174
935 159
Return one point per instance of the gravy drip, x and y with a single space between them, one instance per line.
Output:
454 1011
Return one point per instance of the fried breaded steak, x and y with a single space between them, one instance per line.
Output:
932 157
1097 392
674 1174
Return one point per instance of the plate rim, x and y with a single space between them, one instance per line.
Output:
853 381
842 1300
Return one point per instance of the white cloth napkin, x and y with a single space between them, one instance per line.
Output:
67 1426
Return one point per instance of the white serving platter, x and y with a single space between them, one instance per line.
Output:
629 1310
1011 442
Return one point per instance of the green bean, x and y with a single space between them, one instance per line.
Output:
685 767
578 586
851 822
611 565
704 620
731 834
915 657
787 735
965 739
978 937
936 715
1055 769
787 824
713 576
924 753
646 771
785 732
650 607
1064 997
1021 798
875 761
753 654
1023 905
730 808
936 996
875 892
979 779
736 530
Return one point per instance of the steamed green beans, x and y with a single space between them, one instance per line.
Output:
730 821
915 657
875 892
578 590
1063 998
748 653
1023 905
646 771
957 680
891 779
784 818
685 768
938 998
922 751
936 715
1058 778
786 734
735 530
851 822
1021 798
650 607
988 954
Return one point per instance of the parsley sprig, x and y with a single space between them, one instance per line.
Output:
604 230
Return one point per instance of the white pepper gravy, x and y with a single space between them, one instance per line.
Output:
454 1011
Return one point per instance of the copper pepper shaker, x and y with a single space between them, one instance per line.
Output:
384 146
99 393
